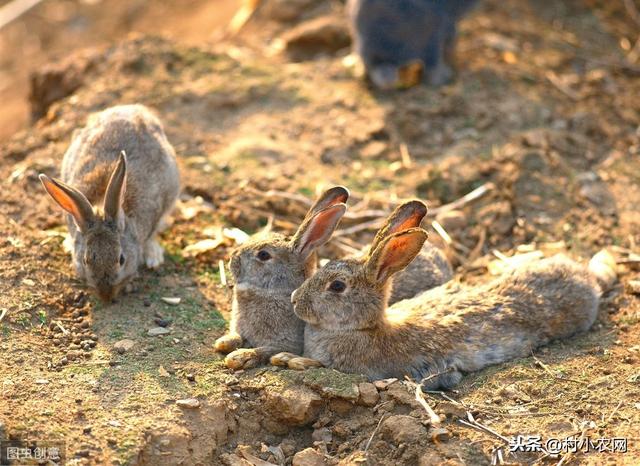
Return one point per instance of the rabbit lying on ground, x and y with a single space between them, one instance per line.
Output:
131 193
443 331
402 42
267 271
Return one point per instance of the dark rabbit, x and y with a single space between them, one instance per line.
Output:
444 332
115 201
402 42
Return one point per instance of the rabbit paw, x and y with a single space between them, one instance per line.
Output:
299 363
282 359
227 343
153 254
243 358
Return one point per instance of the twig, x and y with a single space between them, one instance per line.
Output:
3 313
615 410
632 10
433 417
464 200
223 275
375 431
13 10
442 232
405 156
566 90
476 425
370 225
59 325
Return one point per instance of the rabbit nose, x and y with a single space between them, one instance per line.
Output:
294 297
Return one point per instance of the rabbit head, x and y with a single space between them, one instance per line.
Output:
100 254
280 263
352 294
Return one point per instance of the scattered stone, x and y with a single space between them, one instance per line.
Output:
87 430
308 457
189 403
439 434
191 377
163 322
146 303
324 35
402 429
157 331
384 383
451 409
322 435
172 301
369 395
288 447
294 406
124 346
41 381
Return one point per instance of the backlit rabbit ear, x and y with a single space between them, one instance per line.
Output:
332 196
317 230
114 195
70 199
394 253
405 216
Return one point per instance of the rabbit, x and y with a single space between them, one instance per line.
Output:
429 269
444 332
119 178
265 272
402 42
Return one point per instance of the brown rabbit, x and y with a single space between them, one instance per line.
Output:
443 332
131 193
265 272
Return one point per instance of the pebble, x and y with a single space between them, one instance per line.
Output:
384 383
439 434
172 301
41 381
156 331
189 403
146 303
123 346
191 377
634 286
163 322
308 457
368 394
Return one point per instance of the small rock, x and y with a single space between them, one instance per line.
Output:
294 406
322 435
308 457
439 434
86 430
84 453
171 300
123 346
452 409
146 303
191 377
402 429
162 322
384 383
288 447
369 395
189 403
156 331
634 286
41 381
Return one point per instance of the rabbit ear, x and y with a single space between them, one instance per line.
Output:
394 253
317 230
332 196
70 199
405 216
114 195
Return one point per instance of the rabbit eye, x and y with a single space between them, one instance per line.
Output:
121 260
263 255
337 286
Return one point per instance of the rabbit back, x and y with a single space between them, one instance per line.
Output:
152 173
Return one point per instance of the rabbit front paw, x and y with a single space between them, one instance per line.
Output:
227 343
153 254
299 363
243 358
282 359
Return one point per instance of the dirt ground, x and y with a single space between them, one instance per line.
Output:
544 114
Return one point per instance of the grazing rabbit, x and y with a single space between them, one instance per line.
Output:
265 273
402 42
444 332
122 164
